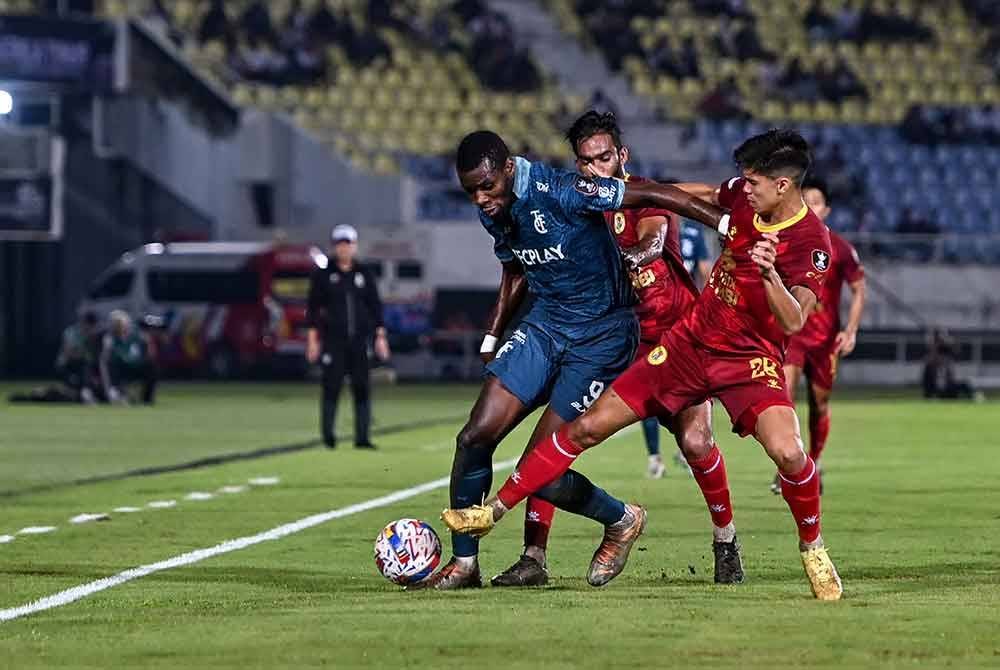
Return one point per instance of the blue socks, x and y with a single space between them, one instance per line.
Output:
575 493
651 429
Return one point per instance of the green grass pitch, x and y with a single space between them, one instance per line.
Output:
910 515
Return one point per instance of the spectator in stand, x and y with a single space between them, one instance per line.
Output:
295 30
307 63
819 24
325 25
256 21
214 24
724 102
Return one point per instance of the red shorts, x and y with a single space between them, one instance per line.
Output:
678 374
819 363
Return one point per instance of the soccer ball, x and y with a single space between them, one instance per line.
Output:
407 551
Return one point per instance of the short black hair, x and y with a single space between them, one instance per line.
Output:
818 183
780 152
482 145
89 317
594 123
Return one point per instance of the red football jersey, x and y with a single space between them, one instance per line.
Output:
824 323
664 288
732 315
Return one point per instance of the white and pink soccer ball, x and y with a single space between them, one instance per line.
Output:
407 551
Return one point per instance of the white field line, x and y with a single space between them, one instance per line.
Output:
155 504
77 592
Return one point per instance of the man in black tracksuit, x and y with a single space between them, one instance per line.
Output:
345 312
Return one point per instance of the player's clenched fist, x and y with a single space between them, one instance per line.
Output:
764 252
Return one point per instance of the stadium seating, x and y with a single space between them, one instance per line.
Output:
417 102
406 111
944 69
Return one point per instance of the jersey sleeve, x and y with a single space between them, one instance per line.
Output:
501 248
729 191
578 194
850 263
807 258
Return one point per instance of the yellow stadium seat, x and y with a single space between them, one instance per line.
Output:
266 97
243 95
773 110
825 112
643 86
315 96
290 97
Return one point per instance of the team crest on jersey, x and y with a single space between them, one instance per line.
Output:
657 356
585 186
821 260
619 223
359 280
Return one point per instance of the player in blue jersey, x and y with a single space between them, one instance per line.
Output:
694 251
551 239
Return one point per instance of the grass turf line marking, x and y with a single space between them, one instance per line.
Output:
233 489
36 530
161 504
264 481
223 459
87 518
199 495
77 592
4 539
126 510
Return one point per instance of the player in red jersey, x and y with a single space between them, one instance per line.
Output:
650 243
818 347
729 346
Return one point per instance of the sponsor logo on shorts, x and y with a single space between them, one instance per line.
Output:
657 356
542 186
821 260
595 391
518 337
585 186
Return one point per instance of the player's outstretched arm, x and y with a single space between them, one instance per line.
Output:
703 191
668 196
790 308
513 289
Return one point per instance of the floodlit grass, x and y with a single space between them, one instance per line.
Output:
909 513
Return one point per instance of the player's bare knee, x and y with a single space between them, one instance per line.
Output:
695 442
585 431
473 435
787 454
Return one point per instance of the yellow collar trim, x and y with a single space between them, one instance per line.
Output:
781 225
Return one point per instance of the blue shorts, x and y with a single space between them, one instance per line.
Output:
566 367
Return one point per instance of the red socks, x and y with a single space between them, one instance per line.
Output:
546 461
819 430
710 473
537 522
801 492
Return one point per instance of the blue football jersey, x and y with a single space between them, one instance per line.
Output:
558 233
693 247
